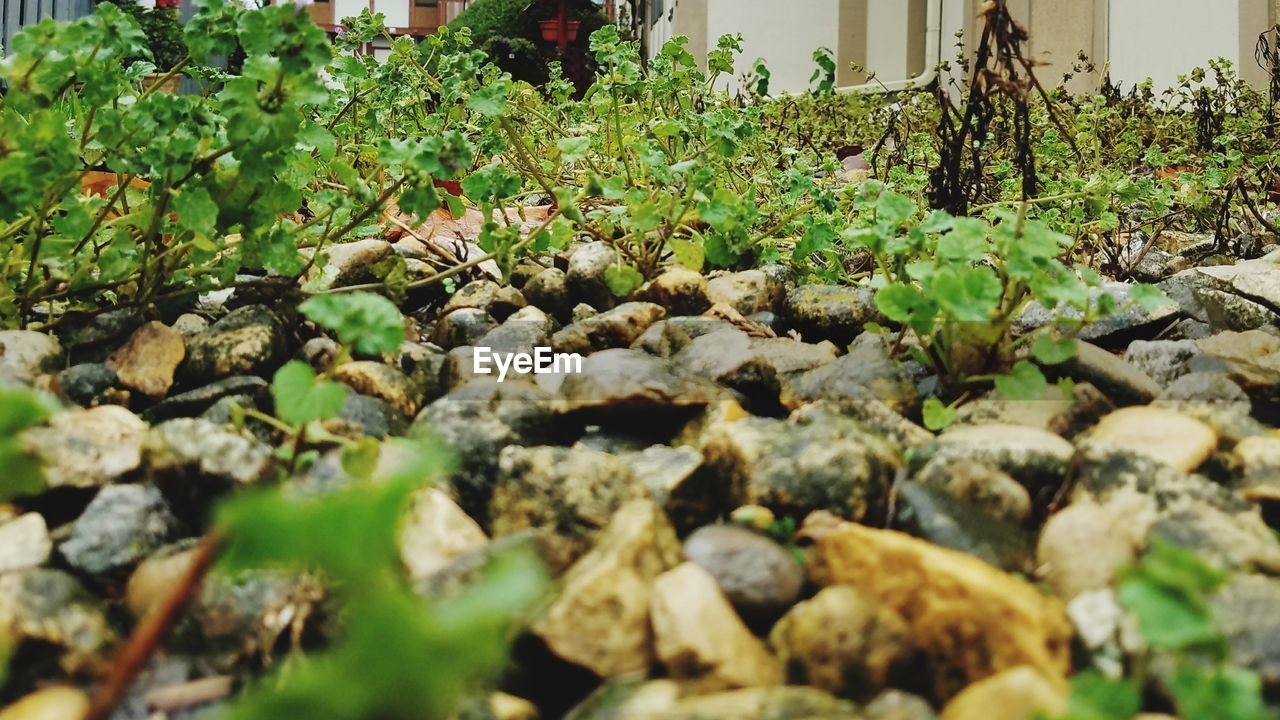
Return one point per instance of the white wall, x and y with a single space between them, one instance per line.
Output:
887 27
784 35
1162 39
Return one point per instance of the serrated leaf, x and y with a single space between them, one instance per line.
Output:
365 321
894 209
490 100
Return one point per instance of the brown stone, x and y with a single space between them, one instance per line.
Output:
699 637
1016 694
967 618
147 361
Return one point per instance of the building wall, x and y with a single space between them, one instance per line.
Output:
1137 38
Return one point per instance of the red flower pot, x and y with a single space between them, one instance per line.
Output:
551 29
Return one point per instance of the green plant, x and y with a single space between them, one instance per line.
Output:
958 284
19 410
160 24
1168 592
396 656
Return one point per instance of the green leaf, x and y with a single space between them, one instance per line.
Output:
197 212
1048 350
966 243
1227 693
300 398
938 415
1024 382
1097 697
818 237
623 279
573 149
365 321
688 253
894 209
907 305
969 295
490 100
1148 297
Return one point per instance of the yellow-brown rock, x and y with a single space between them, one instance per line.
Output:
1016 694
147 361
601 618
51 703
967 618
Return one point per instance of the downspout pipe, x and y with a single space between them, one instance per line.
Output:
932 58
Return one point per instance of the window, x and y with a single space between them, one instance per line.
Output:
426 3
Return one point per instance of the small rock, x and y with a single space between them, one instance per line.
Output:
817 460
601 618
1251 359
248 341
88 448
943 519
677 482
966 618
52 703
680 290
435 532
667 337
699 638
549 290
1247 610
1018 693
1117 379
1161 360
1162 435
1203 388
24 542
347 263
366 416
581 312
624 383
1037 459
191 446
51 606
867 367
24 354
422 363
477 294
1072 572
994 408
1133 321
758 577
476 422
899 705
156 577
569 492
194 402
842 641
831 312
1228 311
616 328
379 380
749 291
1255 279
122 525
462 327
189 324
585 279
982 485
87 383
146 362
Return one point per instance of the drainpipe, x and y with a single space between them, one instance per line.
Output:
932 56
